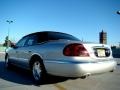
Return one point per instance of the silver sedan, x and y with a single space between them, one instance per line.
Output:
59 54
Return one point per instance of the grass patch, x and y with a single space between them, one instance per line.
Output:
2 49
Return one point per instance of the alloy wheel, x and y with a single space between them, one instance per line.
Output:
37 71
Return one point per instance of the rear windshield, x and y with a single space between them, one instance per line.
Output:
60 36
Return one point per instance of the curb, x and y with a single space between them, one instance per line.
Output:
2 52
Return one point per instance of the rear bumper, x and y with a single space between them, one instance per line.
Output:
79 69
94 68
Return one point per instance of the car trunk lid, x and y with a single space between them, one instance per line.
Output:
98 51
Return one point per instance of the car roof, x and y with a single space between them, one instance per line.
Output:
43 32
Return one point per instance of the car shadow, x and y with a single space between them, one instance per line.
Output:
20 76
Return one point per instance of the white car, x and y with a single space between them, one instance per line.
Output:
59 54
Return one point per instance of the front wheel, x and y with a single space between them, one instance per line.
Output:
38 72
7 64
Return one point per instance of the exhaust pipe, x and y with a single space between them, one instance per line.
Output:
85 75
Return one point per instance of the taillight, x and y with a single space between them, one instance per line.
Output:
75 50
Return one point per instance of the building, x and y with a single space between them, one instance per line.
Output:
103 37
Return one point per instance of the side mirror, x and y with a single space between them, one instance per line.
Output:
13 46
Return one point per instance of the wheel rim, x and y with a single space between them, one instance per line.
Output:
36 71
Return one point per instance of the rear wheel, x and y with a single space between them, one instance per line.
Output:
38 72
112 71
83 77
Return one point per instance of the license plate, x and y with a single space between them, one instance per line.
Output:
101 52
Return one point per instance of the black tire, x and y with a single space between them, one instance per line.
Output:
112 71
7 63
38 72
83 77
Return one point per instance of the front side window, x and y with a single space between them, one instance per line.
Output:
21 42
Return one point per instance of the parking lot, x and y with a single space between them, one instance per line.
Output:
17 79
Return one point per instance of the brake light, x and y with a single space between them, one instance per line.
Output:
75 50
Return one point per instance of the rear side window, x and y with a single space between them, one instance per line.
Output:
42 37
31 40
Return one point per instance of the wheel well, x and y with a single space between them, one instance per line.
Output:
33 59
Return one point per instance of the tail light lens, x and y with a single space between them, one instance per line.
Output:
75 50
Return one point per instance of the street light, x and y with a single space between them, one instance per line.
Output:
9 22
118 12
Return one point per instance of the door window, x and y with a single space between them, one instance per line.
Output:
31 40
21 43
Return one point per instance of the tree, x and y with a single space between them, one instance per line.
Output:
7 42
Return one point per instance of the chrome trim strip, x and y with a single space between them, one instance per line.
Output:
64 62
75 62
13 58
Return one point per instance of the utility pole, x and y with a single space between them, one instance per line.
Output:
118 12
8 41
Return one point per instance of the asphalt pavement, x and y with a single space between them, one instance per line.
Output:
18 79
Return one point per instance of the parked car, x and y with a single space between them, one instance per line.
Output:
59 54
